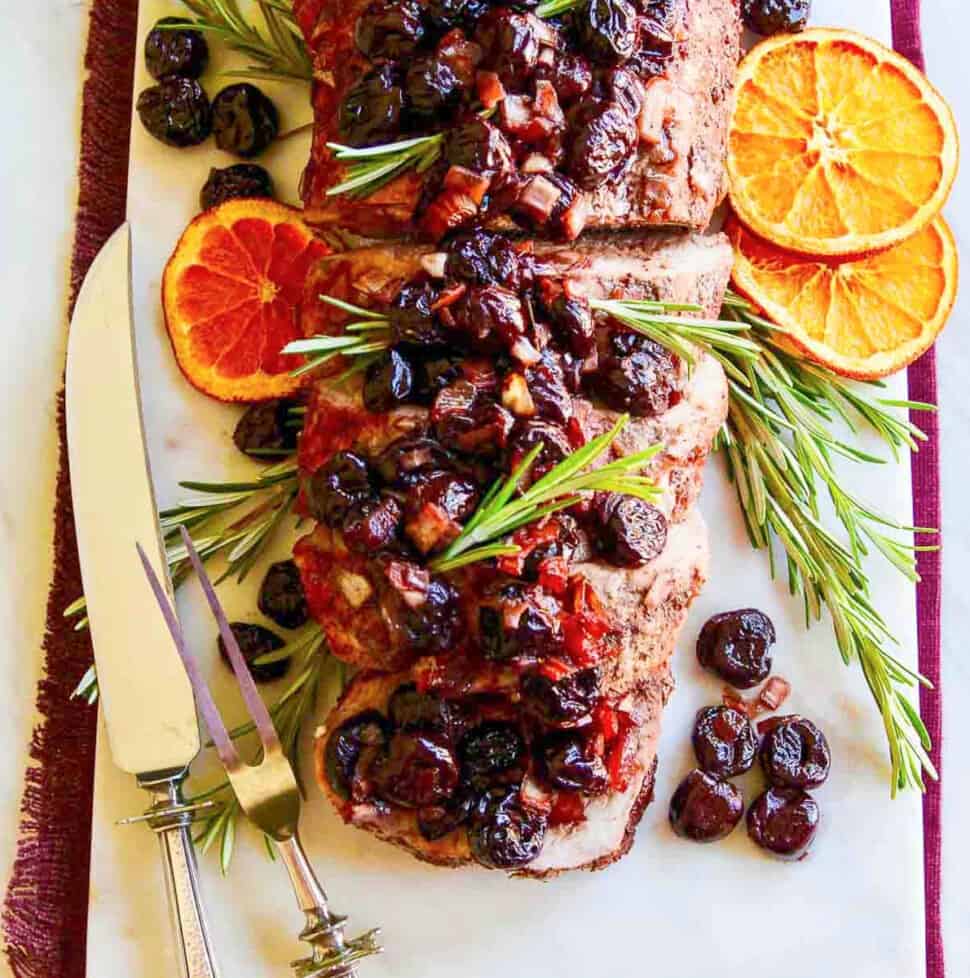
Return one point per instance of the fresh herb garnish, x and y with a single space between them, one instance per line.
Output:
780 448
291 713
279 54
371 167
241 540
501 511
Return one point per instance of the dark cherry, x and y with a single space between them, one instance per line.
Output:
171 51
795 753
510 627
478 146
389 30
176 111
266 429
510 44
454 496
388 381
725 742
358 741
281 596
549 390
420 769
631 531
435 624
705 809
526 436
244 120
255 641
561 701
437 821
433 374
637 375
784 821
337 487
570 74
737 646
372 525
776 16
372 108
573 320
411 318
622 86
433 90
470 423
608 30
408 461
601 145
492 753
235 182
569 764
445 14
482 258
490 312
507 836
410 709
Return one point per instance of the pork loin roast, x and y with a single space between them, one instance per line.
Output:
627 137
507 713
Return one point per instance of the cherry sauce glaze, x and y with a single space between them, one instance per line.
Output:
504 731
535 112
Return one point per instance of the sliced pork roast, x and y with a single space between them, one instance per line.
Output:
508 710
613 115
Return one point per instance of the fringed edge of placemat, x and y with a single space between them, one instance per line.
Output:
927 511
45 911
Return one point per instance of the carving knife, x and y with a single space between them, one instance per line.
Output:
145 694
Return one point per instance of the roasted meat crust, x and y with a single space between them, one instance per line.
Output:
693 101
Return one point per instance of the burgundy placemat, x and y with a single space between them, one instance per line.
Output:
45 913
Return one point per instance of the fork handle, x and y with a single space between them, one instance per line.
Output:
174 829
324 930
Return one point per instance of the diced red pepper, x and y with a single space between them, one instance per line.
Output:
619 757
567 808
491 91
554 669
554 575
606 720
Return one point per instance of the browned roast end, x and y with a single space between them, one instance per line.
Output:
604 837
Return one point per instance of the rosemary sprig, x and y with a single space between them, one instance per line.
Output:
241 541
371 167
780 450
553 8
279 54
291 712
501 512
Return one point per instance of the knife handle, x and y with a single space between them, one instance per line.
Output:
171 820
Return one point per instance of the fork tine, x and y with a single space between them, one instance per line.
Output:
254 702
207 707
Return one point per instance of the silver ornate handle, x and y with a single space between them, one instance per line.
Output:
332 953
171 819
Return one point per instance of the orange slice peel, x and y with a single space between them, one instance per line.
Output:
232 294
838 145
864 318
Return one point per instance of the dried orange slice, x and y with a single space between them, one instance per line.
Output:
232 292
838 145
866 317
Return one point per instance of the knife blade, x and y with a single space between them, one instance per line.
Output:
145 694
146 697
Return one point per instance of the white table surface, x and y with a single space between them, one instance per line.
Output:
40 76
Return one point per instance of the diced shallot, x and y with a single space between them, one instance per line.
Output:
539 198
525 352
410 580
546 33
491 91
516 396
574 217
658 103
547 104
448 211
465 181
536 163
434 263
534 796
773 694
354 587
